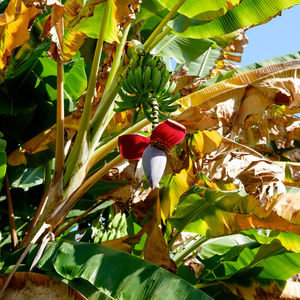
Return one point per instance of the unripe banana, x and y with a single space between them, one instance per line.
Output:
156 80
164 84
138 77
131 79
146 78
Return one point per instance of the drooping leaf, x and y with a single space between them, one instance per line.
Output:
204 142
271 61
204 11
247 13
88 21
214 213
114 273
156 249
288 240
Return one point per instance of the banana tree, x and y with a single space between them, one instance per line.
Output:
164 149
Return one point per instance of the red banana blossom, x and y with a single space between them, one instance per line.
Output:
152 150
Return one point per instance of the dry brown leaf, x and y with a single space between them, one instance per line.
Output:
255 290
259 176
29 285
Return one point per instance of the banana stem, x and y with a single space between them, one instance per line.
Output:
179 256
155 112
165 32
160 27
98 124
201 208
13 232
78 152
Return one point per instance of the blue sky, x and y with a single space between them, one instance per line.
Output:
277 37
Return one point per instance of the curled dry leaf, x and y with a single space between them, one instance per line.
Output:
253 172
269 132
246 108
228 54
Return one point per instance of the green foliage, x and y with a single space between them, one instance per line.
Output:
230 225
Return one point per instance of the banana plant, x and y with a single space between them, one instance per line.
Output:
211 167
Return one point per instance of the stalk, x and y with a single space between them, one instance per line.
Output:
11 215
59 146
160 27
79 151
75 220
179 256
111 89
47 174
59 213
201 208
155 112
165 32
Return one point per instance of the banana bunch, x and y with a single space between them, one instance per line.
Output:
147 79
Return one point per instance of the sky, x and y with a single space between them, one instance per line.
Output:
277 37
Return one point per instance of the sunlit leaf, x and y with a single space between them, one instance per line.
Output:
88 21
204 11
215 213
115 273
204 142
247 13
175 186
288 240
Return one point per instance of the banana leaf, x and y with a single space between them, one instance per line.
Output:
110 273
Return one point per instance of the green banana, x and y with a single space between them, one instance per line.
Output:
138 77
164 84
131 79
156 80
146 77
169 108
168 92
126 87
169 100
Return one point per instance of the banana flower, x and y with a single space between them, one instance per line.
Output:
152 150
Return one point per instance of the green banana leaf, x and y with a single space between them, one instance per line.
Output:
247 13
202 10
183 50
108 272
214 213
268 62
243 265
288 240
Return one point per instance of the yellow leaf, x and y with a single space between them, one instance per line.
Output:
204 142
15 23
178 184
